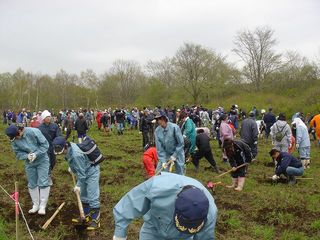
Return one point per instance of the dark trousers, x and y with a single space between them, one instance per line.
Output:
145 138
200 154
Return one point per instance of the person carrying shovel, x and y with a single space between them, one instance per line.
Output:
87 181
238 153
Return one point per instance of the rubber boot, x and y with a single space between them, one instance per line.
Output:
307 163
304 164
35 197
241 181
95 216
86 210
44 196
79 140
234 183
292 180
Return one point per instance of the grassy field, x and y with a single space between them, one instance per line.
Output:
263 210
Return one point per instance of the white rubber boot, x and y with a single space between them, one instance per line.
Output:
308 163
79 140
44 196
35 197
241 181
304 163
234 183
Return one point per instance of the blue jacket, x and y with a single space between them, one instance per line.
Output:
32 141
189 130
169 142
302 137
80 164
269 119
286 160
155 200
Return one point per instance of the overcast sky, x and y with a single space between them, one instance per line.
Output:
45 36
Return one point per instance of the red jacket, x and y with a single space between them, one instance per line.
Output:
150 161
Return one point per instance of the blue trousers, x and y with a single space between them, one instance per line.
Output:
292 171
90 190
38 172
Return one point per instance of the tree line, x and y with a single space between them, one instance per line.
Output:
194 75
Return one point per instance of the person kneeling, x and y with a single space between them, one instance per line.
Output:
87 180
286 164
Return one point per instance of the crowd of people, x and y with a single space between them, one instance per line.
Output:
174 206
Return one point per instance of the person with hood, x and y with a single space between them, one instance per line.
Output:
98 119
238 153
169 144
188 130
81 127
302 141
172 207
286 164
269 119
87 180
281 134
249 133
31 146
315 124
226 132
50 131
145 126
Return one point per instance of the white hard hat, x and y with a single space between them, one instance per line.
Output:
45 114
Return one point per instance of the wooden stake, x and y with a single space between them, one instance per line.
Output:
44 227
242 165
16 190
78 198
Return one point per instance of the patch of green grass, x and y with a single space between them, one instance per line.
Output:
293 235
264 232
316 225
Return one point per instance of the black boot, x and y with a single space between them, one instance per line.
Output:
95 216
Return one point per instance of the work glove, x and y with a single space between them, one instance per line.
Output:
69 170
65 129
255 143
76 189
297 145
153 121
275 177
32 157
172 159
119 238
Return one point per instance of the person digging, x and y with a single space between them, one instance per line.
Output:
87 181
286 164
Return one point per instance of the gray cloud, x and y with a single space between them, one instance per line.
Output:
44 36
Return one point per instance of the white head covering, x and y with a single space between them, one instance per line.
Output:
45 114
299 122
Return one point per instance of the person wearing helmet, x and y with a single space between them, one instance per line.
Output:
172 207
87 180
169 144
30 145
50 131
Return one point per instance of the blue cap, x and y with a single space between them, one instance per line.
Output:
58 144
12 131
191 210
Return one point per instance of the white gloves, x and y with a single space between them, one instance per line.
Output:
153 121
69 170
255 143
172 158
275 177
32 157
297 145
76 189
65 129
119 238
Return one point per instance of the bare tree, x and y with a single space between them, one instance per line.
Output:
256 51
127 74
91 82
193 68
162 70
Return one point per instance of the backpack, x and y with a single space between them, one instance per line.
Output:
279 135
90 148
